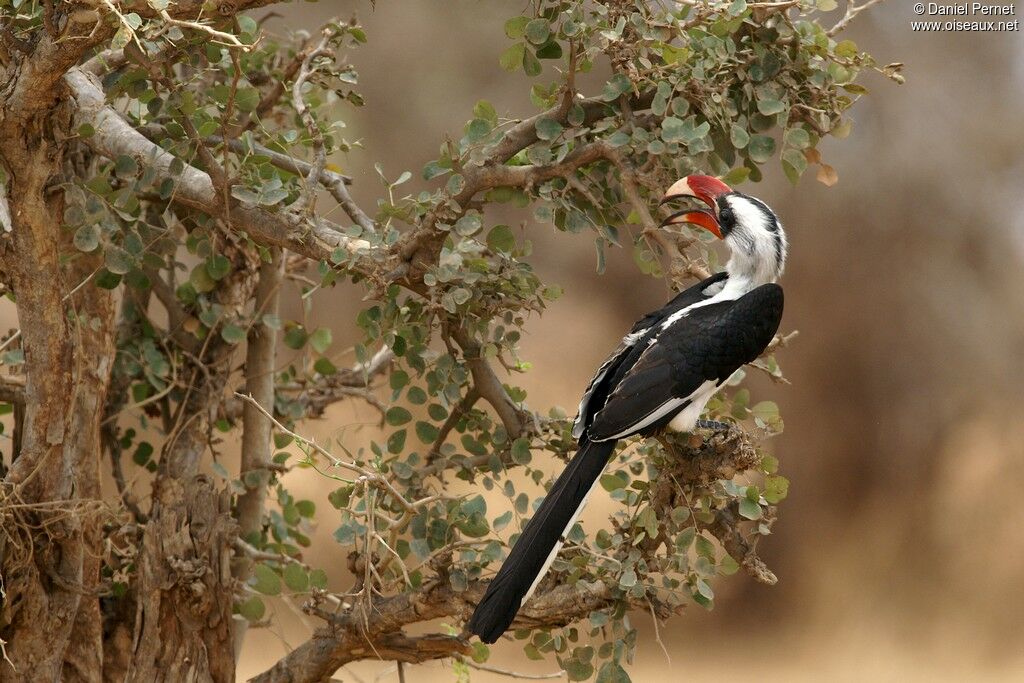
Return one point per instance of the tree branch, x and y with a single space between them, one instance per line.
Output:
257 441
852 10
488 385
115 137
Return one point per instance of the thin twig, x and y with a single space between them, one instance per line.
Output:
364 474
852 10
508 672
312 127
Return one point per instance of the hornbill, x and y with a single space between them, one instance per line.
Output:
660 376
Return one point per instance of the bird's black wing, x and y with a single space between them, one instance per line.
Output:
673 361
597 391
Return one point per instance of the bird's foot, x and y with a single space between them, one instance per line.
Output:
723 428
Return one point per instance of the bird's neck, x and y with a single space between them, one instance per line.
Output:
752 265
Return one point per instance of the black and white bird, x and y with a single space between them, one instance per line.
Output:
661 376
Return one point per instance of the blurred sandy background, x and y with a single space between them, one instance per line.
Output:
901 547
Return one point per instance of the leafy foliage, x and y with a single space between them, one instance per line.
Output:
728 88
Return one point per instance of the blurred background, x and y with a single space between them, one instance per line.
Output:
900 549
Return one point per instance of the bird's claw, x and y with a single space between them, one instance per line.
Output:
724 428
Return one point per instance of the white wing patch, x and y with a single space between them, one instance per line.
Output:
652 417
627 342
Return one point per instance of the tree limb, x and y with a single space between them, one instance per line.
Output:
115 137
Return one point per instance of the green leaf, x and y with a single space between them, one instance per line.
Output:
672 129
143 452
761 148
247 99
549 50
426 432
521 451
776 488
739 137
766 410
125 166
846 48
295 336
749 509
252 609
325 367
736 175
577 669
614 481
232 334
617 86
516 26
512 58
548 129
770 107
478 129
628 578
107 280
296 578
396 442
320 340
265 580
433 169
612 672
537 31
397 415
798 138
318 579
501 239
531 66
218 266
87 237
468 225
794 163
118 260
485 110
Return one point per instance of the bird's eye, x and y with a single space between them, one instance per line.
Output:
726 217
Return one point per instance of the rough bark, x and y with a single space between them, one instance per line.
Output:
256 428
83 660
42 563
183 619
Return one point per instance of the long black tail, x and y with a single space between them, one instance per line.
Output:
539 543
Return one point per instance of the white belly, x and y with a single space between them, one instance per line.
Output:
687 418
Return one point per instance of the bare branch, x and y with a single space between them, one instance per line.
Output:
508 672
257 437
284 162
365 475
852 10
306 116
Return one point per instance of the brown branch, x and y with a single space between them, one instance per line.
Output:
306 70
488 385
508 672
194 188
282 161
365 475
463 407
12 390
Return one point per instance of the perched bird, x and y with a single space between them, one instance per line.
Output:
660 376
